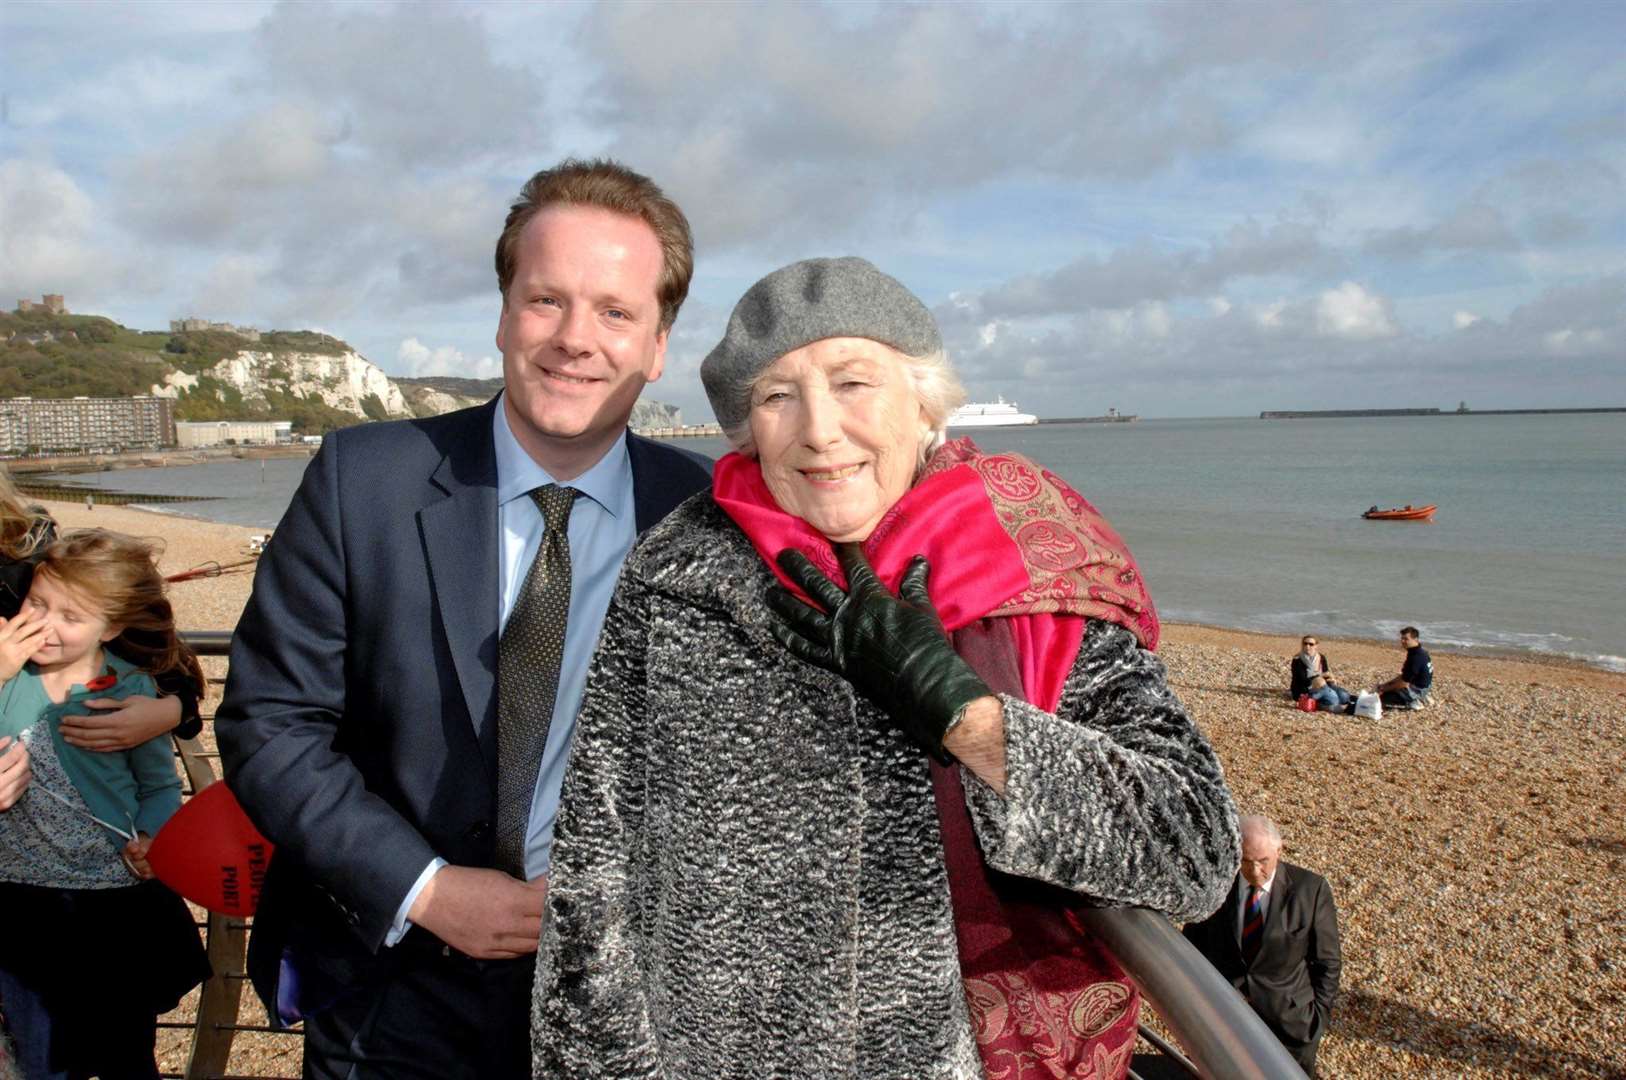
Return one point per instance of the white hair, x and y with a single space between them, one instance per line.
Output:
936 385
1259 825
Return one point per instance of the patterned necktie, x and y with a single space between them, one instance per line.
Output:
1253 923
528 657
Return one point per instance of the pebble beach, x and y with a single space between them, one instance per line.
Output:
1476 849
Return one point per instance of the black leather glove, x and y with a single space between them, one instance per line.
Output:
891 648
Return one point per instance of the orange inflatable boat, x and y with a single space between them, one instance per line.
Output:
1404 513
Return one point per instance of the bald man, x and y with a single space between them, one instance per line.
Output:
1276 939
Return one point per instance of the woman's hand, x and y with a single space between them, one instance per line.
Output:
132 721
20 637
135 856
891 648
14 771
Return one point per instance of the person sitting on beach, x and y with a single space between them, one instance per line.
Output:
1312 675
77 893
1409 689
25 533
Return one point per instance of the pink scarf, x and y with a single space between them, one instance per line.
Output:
1019 562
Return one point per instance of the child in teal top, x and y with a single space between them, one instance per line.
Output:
76 825
137 789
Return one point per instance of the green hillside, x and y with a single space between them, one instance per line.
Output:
63 356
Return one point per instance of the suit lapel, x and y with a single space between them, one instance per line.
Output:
460 543
1281 892
1233 923
657 486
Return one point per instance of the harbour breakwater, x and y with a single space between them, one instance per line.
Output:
1339 414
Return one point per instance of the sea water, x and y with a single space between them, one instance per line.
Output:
1256 524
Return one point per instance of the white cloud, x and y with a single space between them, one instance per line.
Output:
1269 316
417 360
1353 313
1475 227
1142 273
1139 192
53 238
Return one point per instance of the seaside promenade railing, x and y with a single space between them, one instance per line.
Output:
1222 1037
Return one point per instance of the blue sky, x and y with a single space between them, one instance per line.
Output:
1172 209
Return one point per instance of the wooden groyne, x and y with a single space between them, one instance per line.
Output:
75 492
150 459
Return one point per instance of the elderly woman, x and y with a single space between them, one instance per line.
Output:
866 726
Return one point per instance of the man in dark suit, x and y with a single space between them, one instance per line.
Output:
1276 939
369 728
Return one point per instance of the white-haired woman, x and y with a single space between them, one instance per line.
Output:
866 726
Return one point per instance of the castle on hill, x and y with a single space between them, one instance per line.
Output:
50 303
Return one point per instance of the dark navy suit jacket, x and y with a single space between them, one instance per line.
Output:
1293 982
359 726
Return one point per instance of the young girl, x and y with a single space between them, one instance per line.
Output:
93 950
25 532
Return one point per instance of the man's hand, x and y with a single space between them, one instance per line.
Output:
20 637
891 648
482 913
133 721
14 771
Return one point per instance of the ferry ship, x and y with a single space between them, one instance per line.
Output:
999 413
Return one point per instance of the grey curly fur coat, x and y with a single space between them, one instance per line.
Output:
747 875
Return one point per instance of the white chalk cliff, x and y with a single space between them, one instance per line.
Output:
341 382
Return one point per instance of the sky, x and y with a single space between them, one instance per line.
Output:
1179 209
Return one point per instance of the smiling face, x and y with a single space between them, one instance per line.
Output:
75 628
580 333
838 430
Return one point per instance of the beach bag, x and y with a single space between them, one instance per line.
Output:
1307 703
1369 705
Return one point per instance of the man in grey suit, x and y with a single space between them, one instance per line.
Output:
1276 939
381 725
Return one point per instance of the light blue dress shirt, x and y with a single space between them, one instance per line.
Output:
603 527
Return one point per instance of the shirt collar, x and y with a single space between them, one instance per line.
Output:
518 473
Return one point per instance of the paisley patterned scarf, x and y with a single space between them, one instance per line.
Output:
1019 562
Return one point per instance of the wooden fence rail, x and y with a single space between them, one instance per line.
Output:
220 1002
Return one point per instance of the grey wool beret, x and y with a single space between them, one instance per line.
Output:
802 303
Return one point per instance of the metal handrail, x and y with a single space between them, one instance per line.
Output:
1225 1038
208 642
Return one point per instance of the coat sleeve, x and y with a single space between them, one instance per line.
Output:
284 716
1117 795
158 785
1325 956
590 1014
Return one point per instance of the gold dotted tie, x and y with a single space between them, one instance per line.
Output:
528 657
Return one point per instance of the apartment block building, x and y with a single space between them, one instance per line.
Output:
86 424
